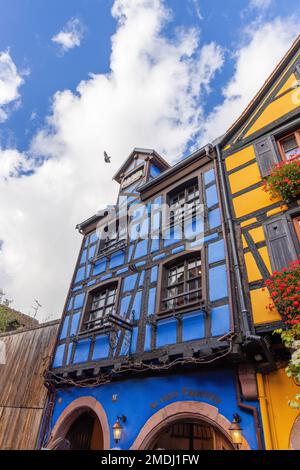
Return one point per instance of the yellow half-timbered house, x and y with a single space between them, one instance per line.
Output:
267 229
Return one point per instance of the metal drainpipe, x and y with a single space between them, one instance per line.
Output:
253 410
244 311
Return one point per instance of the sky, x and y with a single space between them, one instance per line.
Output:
82 76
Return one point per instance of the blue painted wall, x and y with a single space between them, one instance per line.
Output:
139 291
138 399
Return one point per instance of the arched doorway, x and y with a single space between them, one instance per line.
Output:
210 428
82 425
85 432
190 435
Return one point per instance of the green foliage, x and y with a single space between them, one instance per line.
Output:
290 335
291 339
8 319
295 403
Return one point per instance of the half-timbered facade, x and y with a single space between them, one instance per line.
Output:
165 333
151 323
266 134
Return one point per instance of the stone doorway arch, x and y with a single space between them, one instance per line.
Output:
183 410
295 435
72 412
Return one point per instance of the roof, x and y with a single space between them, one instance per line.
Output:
160 160
11 319
178 166
257 98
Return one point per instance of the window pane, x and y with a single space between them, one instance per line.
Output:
189 196
192 285
102 304
290 147
183 279
297 226
289 143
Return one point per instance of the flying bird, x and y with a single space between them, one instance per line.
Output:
106 157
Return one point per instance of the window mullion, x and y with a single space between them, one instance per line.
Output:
297 137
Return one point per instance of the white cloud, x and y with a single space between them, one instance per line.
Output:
70 36
12 164
150 98
153 98
260 4
196 9
10 81
265 45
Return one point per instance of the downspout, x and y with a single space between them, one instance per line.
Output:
265 413
253 410
45 428
237 271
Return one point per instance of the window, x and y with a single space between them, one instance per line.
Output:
296 221
183 284
112 234
184 203
289 146
102 303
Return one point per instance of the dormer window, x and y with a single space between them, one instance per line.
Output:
132 177
183 202
100 305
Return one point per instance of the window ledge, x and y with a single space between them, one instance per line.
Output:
161 314
120 245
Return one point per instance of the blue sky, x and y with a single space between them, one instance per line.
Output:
27 27
81 76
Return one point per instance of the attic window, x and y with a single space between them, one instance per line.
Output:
133 177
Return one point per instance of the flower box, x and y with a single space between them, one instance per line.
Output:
284 181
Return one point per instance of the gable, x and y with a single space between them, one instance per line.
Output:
277 101
136 159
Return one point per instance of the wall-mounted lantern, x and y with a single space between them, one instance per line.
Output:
236 431
118 428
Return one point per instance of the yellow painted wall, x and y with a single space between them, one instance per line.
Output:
253 272
275 389
248 222
291 81
260 299
239 158
277 210
252 201
275 110
244 178
257 234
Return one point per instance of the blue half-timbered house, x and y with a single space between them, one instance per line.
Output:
151 349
